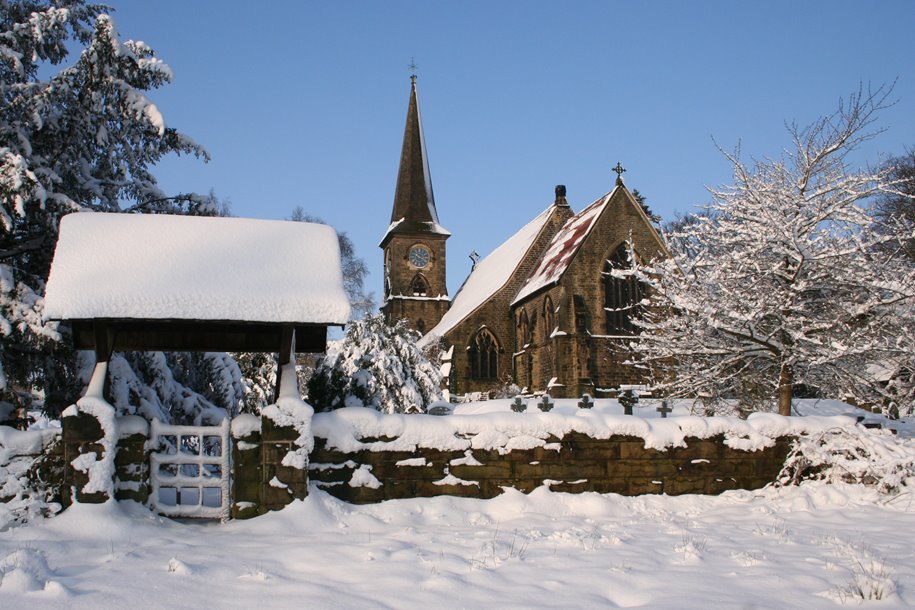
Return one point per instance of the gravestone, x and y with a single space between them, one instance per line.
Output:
585 402
628 399
545 404
664 409
518 406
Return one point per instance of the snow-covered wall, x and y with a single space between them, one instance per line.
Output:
364 456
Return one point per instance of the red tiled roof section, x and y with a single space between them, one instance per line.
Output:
562 249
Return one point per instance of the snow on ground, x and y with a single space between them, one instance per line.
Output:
813 546
789 548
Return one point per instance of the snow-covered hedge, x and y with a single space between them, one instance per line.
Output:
876 458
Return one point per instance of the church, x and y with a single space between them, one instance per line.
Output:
548 310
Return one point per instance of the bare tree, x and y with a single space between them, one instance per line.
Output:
784 279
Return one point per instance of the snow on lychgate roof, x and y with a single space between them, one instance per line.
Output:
490 274
562 249
142 266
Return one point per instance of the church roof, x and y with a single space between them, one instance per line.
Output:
490 274
163 267
414 203
562 248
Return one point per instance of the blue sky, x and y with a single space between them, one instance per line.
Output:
303 103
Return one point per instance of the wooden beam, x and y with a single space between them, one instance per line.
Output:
106 336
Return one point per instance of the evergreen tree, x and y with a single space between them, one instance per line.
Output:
84 138
376 366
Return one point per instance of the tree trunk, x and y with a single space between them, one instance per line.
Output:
785 388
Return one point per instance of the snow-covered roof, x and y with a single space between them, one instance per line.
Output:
490 274
141 266
562 248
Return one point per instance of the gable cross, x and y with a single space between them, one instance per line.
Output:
619 169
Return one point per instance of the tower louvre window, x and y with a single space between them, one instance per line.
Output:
419 287
622 295
484 356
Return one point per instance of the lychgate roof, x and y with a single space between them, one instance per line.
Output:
163 267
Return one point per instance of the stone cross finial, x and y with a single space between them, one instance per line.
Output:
518 406
413 67
619 169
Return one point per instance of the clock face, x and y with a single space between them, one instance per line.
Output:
418 256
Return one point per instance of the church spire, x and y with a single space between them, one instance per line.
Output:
414 204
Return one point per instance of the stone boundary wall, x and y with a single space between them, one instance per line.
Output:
575 463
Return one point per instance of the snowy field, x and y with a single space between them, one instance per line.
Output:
814 546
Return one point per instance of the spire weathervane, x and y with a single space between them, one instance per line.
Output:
619 169
413 67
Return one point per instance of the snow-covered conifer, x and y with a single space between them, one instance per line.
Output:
784 279
84 138
376 366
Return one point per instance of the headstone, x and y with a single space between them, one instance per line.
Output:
545 404
585 402
664 409
518 406
439 410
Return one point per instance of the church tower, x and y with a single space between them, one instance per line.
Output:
414 245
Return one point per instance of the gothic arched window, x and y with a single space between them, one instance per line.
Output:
484 355
419 287
621 294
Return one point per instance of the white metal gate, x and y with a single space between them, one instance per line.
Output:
190 470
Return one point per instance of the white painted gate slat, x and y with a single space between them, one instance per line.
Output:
201 482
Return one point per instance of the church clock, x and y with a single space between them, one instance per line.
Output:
419 256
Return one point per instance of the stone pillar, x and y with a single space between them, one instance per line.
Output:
247 479
82 434
280 484
131 461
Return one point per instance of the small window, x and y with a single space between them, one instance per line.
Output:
524 330
549 319
581 314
